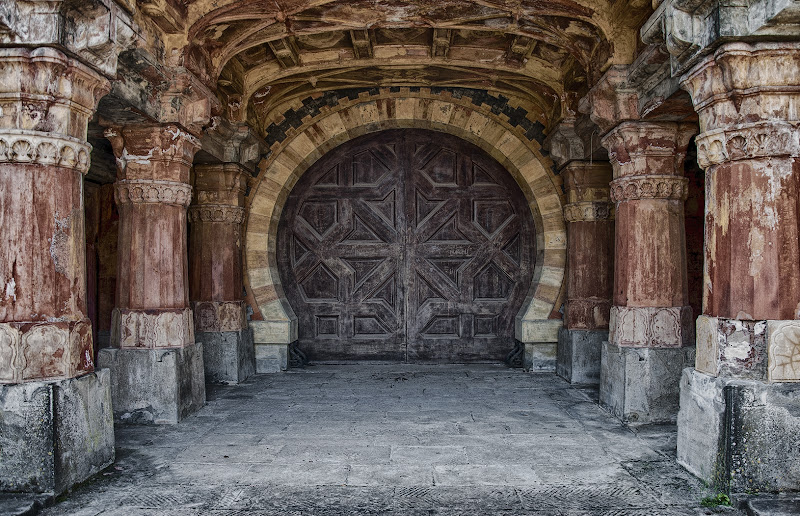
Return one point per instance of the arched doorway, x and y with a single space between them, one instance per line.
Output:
406 245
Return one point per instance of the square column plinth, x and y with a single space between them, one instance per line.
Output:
228 356
739 435
160 386
55 434
641 385
578 359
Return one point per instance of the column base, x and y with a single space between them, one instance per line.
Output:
54 435
228 356
641 385
540 357
739 435
160 386
579 355
271 358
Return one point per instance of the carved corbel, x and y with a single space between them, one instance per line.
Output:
229 142
187 101
611 100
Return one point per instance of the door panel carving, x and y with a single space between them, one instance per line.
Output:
406 245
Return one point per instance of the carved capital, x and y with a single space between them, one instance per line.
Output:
587 181
611 100
233 143
223 183
144 191
651 327
588 211
97 32
32 351
759 140
37 148
634 188
149 329
658 148
216 213
746 83
153 152
44 90
217 316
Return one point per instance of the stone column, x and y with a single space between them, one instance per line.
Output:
739 423
55 420
590 258
215 254
157 367
651 327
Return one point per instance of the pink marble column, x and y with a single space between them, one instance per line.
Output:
152 194
590 248
47 100
650 303
747 99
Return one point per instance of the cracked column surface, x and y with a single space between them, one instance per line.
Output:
651 331
159 367
215 254
54 430
739 404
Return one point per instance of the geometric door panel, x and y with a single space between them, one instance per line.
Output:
406 245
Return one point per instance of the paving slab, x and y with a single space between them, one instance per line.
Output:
394 439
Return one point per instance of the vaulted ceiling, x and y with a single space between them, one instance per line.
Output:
261 55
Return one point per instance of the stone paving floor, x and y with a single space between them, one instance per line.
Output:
400 439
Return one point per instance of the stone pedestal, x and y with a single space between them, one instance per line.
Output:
739 435
160 386
638 385
216 272
579 355
157 368
590 259
55 434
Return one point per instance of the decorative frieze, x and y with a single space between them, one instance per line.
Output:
45 351
632 188
217 316
38 148
216 213
651 327
152 191
164 328
759 140
588 211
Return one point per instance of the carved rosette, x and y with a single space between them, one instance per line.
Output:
151 191
149 329
45 351
588 211
651 327
217 316
36 148
633 188
216 213
751 141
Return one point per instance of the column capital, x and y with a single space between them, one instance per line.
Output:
216 213
587 180
220 184
634 188
648 148
45 92
745 83
162 152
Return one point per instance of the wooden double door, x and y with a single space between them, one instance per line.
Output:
406 245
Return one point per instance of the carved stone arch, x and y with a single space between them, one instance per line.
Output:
351 118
